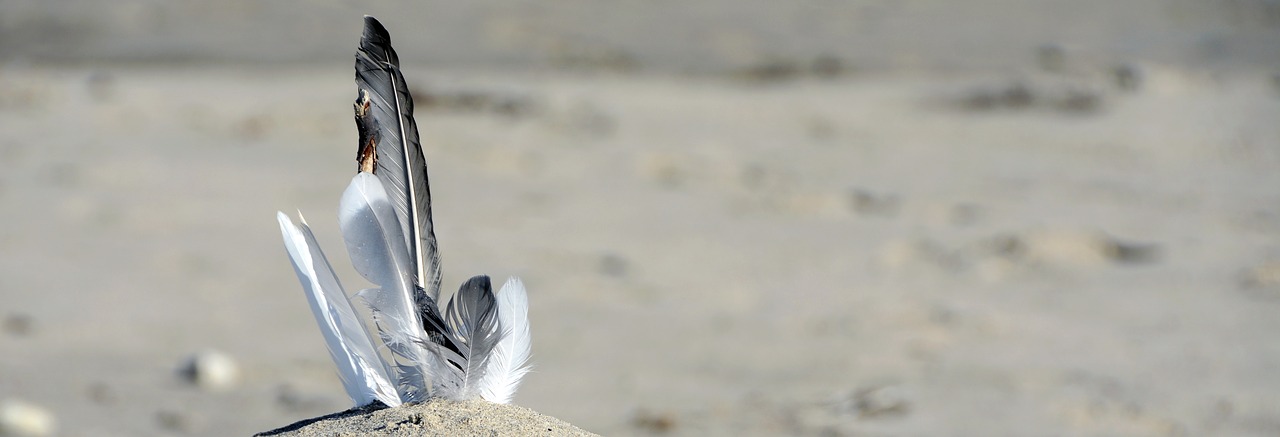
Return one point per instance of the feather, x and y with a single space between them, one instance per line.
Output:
480 345
389 148
509 361
360 369
376 245
372 234
473 317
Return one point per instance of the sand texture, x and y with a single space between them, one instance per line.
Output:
895 218
437 417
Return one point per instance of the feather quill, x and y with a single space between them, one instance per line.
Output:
509 361
390 149
363 374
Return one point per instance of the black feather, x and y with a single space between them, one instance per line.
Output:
389 147
437 329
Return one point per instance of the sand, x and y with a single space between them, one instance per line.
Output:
436 417
904 242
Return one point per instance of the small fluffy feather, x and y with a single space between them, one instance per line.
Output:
509 361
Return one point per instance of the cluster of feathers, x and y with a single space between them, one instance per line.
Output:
479 346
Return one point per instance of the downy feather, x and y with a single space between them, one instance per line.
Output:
389 147
509 361
361 370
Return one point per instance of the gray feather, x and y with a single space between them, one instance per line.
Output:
473 317
384 118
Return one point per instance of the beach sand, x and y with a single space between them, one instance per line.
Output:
436 417
872 218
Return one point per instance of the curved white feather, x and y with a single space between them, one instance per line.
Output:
375 241
362 372
369 223
510 358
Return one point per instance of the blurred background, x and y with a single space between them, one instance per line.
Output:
895 218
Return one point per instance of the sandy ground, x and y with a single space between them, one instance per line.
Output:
1068 244
435 417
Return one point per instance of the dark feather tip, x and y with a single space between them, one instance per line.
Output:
478 283
376 41
374 32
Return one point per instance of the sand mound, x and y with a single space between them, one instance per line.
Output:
436 417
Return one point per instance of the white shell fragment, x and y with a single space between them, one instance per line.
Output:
211 370
19 418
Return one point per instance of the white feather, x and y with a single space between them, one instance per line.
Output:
373 236
360 368
375 241
510 358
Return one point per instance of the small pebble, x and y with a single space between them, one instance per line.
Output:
1079 101
173 421
868 203
1064 248
254 127
18 324
211 370
882 401
613 265
654 422
1265 275
101 393
875 401
1127 77
964 214
827 66
18 418
772 71
589 119
1015 95
100 86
